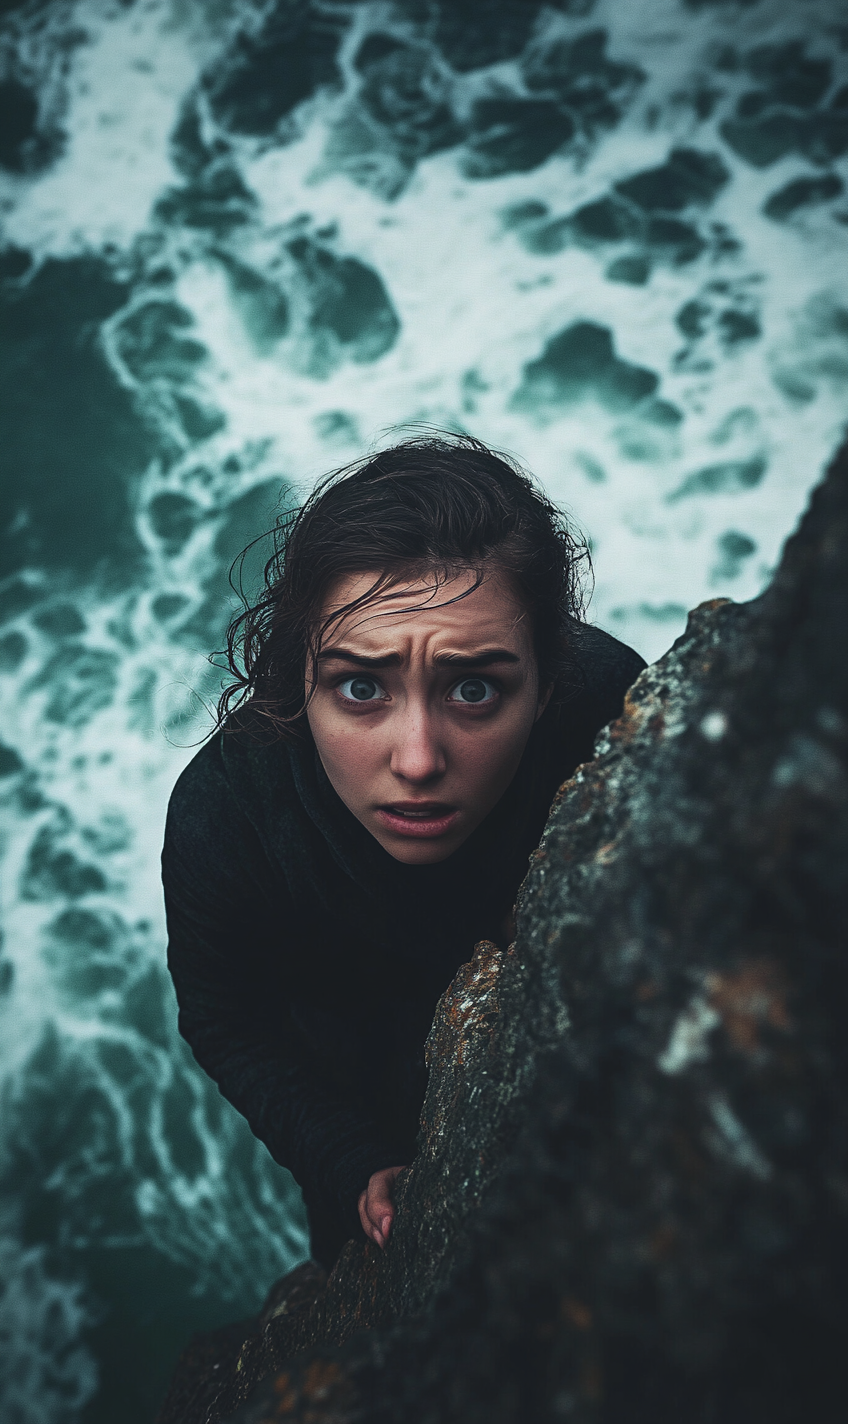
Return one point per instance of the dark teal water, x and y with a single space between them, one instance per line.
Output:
240 242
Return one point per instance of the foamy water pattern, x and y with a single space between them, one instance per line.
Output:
241 243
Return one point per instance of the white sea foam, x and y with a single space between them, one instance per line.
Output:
46 1374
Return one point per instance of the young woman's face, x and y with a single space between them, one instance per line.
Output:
420 718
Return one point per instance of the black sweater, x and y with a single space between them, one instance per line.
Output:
308 962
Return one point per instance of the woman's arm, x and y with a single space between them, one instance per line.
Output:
232 982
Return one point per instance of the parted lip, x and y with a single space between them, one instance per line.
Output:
419 819
422 808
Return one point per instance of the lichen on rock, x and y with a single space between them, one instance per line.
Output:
630 1201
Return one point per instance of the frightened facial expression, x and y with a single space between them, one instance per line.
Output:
422 707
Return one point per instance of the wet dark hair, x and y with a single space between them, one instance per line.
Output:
430 506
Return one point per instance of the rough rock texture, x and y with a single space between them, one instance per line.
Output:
479 1064
631 1199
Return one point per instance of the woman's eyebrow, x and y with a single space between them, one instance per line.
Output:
359 659
478 660
485 658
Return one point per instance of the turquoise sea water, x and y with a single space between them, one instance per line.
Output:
241 241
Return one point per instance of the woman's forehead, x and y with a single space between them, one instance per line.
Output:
427 603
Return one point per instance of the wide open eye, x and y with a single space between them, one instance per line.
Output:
474 690
361 689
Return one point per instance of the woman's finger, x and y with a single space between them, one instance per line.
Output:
376 1208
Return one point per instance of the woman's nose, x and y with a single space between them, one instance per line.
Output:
417 753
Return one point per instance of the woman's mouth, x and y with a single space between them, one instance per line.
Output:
424 819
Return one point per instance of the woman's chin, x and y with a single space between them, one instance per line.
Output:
419 854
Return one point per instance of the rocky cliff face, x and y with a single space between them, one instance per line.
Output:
631 1198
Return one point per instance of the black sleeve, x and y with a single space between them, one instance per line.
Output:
223 907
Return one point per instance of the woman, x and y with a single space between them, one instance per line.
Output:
411 689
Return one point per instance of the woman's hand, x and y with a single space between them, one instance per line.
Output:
376 1208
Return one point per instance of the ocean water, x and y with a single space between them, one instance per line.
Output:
242 241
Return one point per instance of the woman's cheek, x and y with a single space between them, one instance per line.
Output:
481 752
355 746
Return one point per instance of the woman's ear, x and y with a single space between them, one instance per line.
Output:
544 699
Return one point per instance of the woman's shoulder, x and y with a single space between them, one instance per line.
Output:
231 777
237 816
591 695
204 828
606 666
